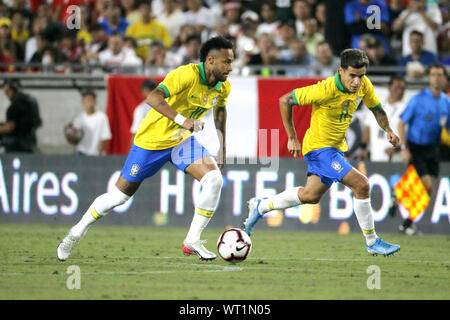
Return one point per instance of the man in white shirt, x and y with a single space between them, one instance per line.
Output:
420 17
171 17
117 54
198 15
94 125
380 149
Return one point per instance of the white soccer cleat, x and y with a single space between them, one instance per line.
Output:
199 249
67 245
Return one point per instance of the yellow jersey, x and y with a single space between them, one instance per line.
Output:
332 111
145 34
188 93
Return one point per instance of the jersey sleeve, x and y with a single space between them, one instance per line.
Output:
223 99
176 81
370 98
313 94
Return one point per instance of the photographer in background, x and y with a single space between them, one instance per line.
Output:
18 133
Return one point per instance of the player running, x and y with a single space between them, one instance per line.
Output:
165 134
334 101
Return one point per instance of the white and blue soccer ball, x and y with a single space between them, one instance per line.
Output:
234 245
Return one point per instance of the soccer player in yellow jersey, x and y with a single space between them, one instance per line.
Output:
147 30
165 135
334 100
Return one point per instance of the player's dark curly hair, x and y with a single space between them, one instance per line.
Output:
216 43
354 58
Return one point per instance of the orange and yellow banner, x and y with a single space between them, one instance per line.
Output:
411 193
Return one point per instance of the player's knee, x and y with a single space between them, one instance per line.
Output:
212 180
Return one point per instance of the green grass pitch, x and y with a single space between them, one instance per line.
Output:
147 263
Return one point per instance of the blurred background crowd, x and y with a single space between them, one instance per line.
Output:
45 35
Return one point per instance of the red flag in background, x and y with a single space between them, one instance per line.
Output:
269 92
124 95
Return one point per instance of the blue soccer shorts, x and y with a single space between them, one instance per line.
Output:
327 163
143 163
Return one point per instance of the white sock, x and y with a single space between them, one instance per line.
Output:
363 212
206 204
286 199
101 206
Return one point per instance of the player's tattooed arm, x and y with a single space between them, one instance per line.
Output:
382 119
220 120
286 103
383 122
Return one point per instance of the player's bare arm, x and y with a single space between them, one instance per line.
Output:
286 103
383 122
220 119
156 99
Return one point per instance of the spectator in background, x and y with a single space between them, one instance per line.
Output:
172 18
326 64
269 25
143 108
356 19
287 35
132 13
444 36
232 12
419 17
420 128
299 57
12 47
379 149
302 11
5 57
198 16
113 22
117 55
268 52
246 43
94 126
18 133
147 30
19 30
98 43
321 17
311 36
193 44
39 25
419 58
70 47
158 59
377 56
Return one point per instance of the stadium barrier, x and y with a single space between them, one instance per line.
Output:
58 189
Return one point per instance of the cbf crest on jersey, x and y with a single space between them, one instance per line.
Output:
345 104
134 170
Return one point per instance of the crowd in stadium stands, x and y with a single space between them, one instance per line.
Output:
168 33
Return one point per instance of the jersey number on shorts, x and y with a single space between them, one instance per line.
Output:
197 113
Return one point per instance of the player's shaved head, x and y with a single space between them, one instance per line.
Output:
213 44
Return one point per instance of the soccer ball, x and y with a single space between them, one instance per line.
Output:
234 245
